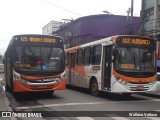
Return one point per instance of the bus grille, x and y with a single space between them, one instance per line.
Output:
139 88
136 83
44 87
41 81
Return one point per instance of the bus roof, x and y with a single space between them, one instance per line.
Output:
55 35
110 40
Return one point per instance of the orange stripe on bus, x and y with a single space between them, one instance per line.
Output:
80 70
132 79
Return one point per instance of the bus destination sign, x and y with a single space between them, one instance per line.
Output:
37 40
137 41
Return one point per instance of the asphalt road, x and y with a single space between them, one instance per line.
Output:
79 104
81 100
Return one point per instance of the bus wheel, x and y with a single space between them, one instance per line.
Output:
94 88
126 94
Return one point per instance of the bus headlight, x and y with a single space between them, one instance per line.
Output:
23 81
117 78
16 77
63 76
121 81
58 79
124 82
19 79
153 82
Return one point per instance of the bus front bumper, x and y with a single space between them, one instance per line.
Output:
21 87
137 88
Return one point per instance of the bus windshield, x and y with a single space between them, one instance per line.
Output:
38 58
132 59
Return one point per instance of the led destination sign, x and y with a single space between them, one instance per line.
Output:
135 41
37 40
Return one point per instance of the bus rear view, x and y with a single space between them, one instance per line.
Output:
34 63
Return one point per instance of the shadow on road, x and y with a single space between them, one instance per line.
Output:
110 96
31 96
154 95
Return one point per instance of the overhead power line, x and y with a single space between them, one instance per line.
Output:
61 8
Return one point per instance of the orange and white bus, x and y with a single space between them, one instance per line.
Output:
119 64
158 64
34 63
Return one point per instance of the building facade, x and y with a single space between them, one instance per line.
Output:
150 17
51 27
1 58
90 28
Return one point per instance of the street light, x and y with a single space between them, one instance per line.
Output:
68 20
105 11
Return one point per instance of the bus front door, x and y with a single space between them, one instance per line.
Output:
107 63
72 68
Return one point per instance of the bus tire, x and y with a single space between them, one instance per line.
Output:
16 95
94 87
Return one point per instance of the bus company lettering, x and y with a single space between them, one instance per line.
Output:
135 41
42 40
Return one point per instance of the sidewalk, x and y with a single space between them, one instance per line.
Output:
4 103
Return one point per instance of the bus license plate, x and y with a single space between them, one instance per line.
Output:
42 86
139 88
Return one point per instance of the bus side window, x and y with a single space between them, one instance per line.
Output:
72 60
96 54
66 58
87 53
80 57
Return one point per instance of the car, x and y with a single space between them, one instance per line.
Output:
1 68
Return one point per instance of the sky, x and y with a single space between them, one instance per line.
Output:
30 16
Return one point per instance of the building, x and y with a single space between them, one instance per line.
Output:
94 27
1 58
150 17
51 27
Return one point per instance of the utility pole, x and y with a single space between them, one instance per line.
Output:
155 17
131 18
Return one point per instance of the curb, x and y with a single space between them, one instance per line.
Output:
7 103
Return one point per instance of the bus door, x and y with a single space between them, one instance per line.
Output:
158 60
72 68
8 73
107 64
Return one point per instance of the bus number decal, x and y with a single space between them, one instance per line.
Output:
24 39
127 66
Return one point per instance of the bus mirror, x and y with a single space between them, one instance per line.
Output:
115 52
